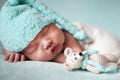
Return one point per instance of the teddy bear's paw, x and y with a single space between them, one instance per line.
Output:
112 64
110 58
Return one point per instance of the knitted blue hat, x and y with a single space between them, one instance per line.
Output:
22 20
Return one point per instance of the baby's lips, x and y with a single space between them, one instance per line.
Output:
52 49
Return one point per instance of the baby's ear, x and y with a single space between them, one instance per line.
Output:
67 51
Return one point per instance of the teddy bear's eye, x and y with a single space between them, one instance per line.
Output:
80 54
75 58
74 54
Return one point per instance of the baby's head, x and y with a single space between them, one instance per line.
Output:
25 29
25 25
46 45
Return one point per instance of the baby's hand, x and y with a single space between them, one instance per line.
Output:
13 57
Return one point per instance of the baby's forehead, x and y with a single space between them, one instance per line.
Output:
43 31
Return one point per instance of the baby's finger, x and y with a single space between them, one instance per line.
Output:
11 58
17 57
6 57
22 58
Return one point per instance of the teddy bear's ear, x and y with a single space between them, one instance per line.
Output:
67 51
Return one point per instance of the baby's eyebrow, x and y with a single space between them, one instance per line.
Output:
45 29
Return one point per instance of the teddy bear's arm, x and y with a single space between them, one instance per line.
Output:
110 57
92 69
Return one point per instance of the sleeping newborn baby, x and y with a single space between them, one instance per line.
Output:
29 29
102 40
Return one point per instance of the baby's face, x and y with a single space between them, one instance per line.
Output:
46 45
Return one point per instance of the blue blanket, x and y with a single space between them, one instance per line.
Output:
34 70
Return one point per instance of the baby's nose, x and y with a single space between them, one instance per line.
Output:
47 44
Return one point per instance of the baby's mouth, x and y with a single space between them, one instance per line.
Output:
52 49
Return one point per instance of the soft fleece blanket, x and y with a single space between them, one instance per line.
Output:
34 70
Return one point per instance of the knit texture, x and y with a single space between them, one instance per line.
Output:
100 67
22 20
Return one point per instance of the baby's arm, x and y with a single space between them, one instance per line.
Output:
71 42
13 57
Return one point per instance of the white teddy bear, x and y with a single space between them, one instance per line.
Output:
90 60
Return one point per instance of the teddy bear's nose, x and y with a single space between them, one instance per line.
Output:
80 54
